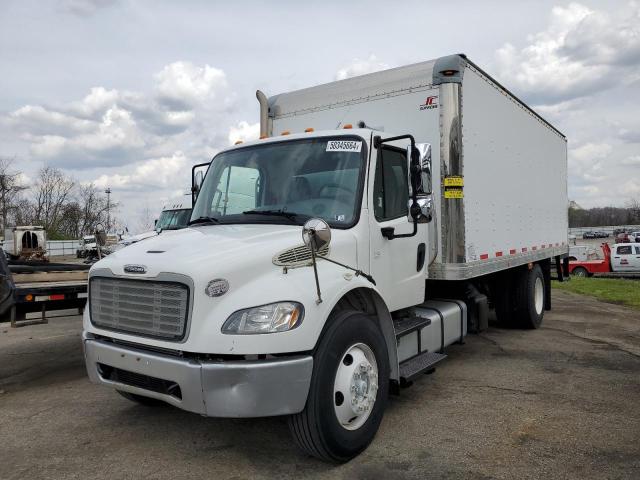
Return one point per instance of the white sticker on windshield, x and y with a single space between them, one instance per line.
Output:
344 146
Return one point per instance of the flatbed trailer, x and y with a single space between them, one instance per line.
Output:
28 287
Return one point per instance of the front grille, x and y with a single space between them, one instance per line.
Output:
297 256
142 307
139 380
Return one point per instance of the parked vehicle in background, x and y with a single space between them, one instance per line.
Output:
621 258
623 238
635 237
325 265
602 234
88 246
173 217
588 234
28 242
582 252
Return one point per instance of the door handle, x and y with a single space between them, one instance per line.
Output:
422 250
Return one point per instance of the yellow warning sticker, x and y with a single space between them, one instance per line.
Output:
453 193
454 181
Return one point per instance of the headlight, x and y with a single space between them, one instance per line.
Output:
275 317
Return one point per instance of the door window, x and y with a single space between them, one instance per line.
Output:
390 186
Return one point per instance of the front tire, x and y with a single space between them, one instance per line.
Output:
348 392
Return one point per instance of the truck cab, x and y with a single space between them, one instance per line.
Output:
625 257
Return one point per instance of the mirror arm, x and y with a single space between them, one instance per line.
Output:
359 273
388 232
312 246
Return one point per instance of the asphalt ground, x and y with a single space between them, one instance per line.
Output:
558 402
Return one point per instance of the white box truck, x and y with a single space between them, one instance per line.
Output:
333 261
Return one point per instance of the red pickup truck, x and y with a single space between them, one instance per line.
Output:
625 257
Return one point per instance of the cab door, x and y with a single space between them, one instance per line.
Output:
635 264
623 258
398 265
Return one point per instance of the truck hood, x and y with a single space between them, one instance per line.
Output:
217 249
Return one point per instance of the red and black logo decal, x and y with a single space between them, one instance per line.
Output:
429 103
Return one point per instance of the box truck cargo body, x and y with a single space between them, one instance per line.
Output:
334 260
502 168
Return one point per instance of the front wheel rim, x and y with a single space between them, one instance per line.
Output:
355 387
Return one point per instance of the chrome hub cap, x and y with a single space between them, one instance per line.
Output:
539 295
355 386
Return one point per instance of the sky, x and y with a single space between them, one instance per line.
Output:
130 94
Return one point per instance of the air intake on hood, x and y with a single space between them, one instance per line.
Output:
297 256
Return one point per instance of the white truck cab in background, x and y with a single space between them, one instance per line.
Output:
335 259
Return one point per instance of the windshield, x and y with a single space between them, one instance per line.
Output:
285 182
173 219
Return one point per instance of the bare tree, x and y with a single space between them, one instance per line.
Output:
633 205
146 219
51 192
10 189
23 213
86 208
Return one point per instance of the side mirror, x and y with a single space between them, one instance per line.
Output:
424 150
197 181
420 179
316 234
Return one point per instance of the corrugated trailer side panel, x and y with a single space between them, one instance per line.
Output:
515 177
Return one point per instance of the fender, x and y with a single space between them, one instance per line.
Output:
382 314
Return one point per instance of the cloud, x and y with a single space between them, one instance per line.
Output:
361 67
580 52
629 136
37 120
586 162
633 161
110 127
153 173
182 85
244 131
84 8
114 138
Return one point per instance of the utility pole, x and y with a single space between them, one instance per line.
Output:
108 192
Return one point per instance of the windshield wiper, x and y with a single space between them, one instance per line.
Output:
202 220
277 213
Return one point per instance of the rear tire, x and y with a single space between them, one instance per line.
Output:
350 352
580 272
530 298
146 401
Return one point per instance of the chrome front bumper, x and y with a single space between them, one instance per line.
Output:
259 388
